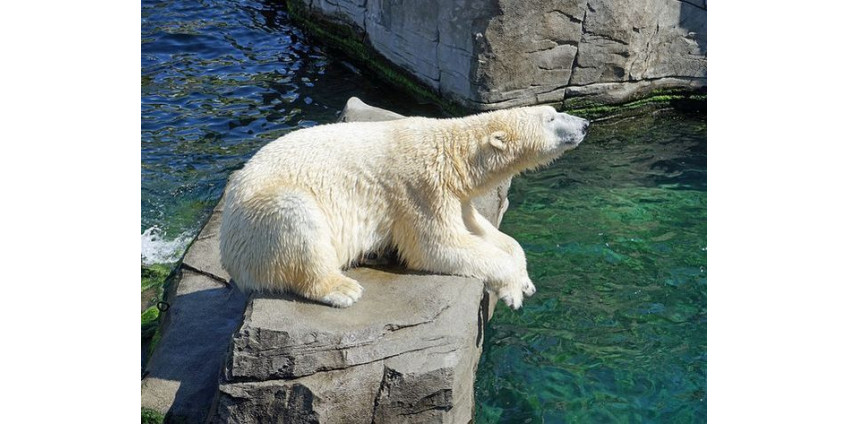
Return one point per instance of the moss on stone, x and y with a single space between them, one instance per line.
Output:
154 275
154 279
149 416
681 99
149 321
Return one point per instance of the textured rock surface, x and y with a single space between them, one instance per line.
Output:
407 352
488 54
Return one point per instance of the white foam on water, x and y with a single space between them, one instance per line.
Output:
157 248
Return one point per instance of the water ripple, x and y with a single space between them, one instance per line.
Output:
218 81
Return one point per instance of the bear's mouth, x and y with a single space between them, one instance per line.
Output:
573 141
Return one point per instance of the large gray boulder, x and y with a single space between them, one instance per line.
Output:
492 54
406 352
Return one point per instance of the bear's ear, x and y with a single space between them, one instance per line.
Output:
497 140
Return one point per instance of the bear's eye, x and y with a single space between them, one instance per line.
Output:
550 118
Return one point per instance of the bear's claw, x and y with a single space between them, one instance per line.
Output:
513 295
512 298
528 288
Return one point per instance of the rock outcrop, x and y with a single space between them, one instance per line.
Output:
406 352
492 54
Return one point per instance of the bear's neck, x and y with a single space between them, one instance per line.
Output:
469 169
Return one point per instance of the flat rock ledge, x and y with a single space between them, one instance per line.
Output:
406 352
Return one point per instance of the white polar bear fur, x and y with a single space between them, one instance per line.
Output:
317 200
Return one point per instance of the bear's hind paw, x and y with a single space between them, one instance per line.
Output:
345 294
338 300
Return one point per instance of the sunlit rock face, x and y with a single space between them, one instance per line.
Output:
490 54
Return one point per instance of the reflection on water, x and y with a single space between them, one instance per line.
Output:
615 232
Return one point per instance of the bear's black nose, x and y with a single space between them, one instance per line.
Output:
585 125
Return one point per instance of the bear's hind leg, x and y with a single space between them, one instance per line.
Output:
305 260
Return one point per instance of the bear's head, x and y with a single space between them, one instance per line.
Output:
529 137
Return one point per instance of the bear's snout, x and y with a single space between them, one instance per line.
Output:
570 130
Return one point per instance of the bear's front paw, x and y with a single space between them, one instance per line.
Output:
527 287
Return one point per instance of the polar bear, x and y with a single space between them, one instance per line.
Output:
318 199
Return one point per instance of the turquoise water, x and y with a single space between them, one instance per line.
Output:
615 235
615 231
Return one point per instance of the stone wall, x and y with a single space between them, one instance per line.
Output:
490 54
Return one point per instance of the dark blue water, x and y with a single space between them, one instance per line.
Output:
219 79
615 232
